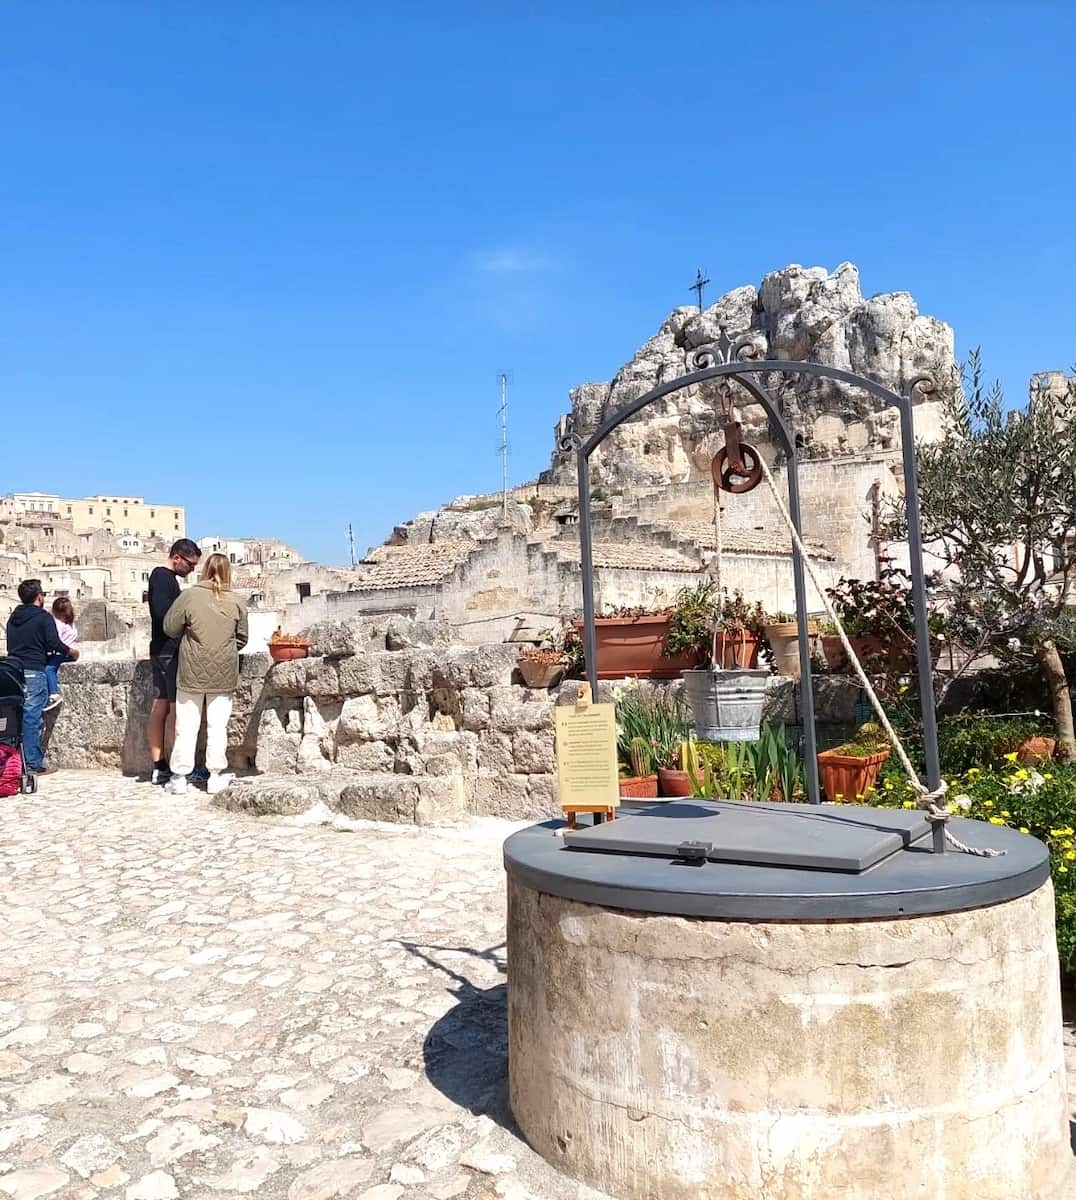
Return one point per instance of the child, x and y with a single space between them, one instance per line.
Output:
63 613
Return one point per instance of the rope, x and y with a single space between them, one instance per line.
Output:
718 547
928 800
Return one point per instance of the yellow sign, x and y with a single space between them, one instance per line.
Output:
586 756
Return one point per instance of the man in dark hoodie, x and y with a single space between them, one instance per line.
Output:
31 638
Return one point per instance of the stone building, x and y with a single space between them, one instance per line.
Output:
131 515
487 571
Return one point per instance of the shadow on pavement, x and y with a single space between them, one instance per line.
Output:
465 1052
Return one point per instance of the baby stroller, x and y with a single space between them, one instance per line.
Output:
12 702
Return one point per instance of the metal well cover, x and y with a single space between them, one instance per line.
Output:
824 838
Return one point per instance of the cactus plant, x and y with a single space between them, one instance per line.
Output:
639 756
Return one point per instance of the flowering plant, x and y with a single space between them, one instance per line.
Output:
1041 803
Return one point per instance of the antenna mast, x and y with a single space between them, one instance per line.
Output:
503 378
351 544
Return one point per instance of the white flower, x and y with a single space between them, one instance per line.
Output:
1035 781
618 694
962 801
1014 643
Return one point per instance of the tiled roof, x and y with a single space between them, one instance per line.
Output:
629 556
410 566
743 541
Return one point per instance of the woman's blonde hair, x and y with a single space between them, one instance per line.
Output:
218 572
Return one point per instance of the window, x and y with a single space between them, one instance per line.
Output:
153 513
177 527
303 590
108 512
175 516
132 580
125 512
231 558
91 510
69 510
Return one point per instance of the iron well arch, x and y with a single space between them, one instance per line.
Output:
734 359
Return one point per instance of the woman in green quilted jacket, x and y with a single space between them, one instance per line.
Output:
210 622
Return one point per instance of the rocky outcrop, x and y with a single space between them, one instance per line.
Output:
796 313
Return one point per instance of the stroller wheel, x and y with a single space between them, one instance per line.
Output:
29 784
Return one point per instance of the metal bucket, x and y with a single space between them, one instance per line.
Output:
726 705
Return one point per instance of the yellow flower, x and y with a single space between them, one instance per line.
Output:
1024 829
996 821
1062 870
974 771
838 797
908 804
1011 758
1005 812
988 804
1070 855
1048 775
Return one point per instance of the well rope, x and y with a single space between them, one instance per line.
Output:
928 800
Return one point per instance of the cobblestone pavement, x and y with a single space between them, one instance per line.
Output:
200 1004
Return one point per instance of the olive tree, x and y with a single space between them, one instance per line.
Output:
997 496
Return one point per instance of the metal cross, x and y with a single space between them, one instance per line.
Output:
698 285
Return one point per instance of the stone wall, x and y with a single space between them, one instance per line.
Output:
385 721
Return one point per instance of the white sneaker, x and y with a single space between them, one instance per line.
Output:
54 701
218 781
176 786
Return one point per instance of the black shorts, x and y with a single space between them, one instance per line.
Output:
165 674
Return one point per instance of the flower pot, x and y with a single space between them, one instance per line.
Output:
785 644
674 782
735 651
726 705
877 655
285 651
540 674
1036 750
642 787
633 646
848 776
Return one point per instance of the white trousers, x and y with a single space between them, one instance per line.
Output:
218 708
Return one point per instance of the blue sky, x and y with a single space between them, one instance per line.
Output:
266 259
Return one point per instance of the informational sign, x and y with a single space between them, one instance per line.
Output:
586 757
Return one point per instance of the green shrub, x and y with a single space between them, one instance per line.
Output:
982 740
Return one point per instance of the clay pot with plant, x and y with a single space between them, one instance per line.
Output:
285 647
640 783
878 617
782 634
541 667
848 771
674 777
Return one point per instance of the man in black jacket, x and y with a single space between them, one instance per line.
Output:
31 638
164 652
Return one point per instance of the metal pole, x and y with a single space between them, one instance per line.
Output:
919 598
503 412
810 742
586 565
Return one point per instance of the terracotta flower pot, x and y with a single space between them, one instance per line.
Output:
736 651
847 775
540 674
784 642
285 651
642 787
876 655
673 782
1036 750
633 646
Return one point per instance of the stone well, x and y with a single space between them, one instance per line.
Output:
762 1030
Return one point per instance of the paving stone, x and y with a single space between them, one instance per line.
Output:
213 1005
